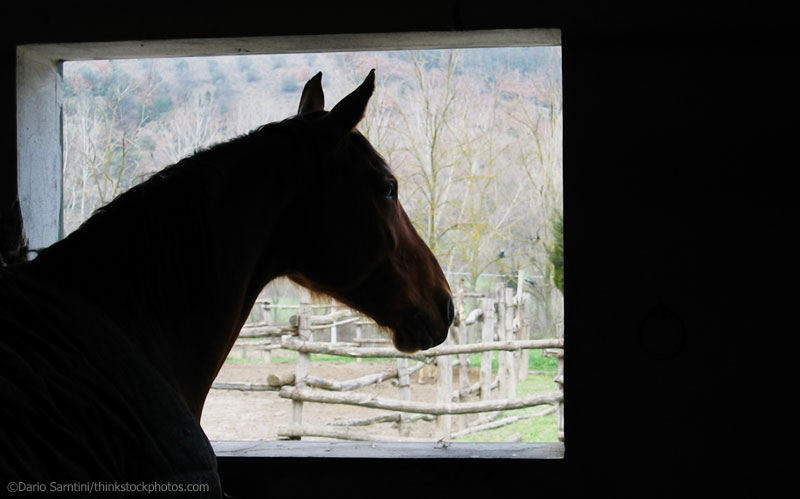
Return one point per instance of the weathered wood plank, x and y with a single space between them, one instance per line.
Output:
389 450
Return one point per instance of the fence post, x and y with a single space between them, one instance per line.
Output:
358 337
510 374
519 330
523 311
404 383
460 332
487 335
303 358
267 314
444 392
333 327
500 335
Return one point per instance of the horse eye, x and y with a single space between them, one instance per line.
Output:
391 190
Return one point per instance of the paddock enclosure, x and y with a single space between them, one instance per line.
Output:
357 387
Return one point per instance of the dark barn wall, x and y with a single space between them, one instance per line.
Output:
670 141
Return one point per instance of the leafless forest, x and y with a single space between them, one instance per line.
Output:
474 135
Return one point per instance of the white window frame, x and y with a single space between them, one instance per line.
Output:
39 177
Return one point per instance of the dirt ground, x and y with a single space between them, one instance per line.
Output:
241 415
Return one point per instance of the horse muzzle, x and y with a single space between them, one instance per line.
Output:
425 330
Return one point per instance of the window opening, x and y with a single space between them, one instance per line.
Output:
475 138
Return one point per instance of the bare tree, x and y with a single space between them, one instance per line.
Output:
541 160
102 139
540 119
487 191
81 159
193 124
431 158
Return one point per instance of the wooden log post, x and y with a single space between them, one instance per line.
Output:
333 326
404 384
500 335
303 358
519 333
460 336
487 336
505 358
523 314
511 356
359 328
444 393
268 321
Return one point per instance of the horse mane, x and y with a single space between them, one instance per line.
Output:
147 195
158 228
167 192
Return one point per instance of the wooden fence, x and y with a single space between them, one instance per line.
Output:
502 319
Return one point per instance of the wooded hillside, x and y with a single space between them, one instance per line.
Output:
474 135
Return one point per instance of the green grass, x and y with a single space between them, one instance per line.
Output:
538 429
536 361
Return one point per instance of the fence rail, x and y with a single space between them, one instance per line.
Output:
502 318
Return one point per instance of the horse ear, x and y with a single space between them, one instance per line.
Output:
313 99
349 111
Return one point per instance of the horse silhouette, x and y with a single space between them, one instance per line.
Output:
111 338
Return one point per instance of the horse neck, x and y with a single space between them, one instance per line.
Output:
180 283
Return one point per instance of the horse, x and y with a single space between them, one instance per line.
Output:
111 338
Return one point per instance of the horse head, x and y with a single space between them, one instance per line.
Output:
373 259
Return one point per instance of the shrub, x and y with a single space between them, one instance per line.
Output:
555 251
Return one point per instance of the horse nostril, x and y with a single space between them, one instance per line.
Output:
451 311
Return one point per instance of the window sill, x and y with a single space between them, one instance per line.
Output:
387 450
